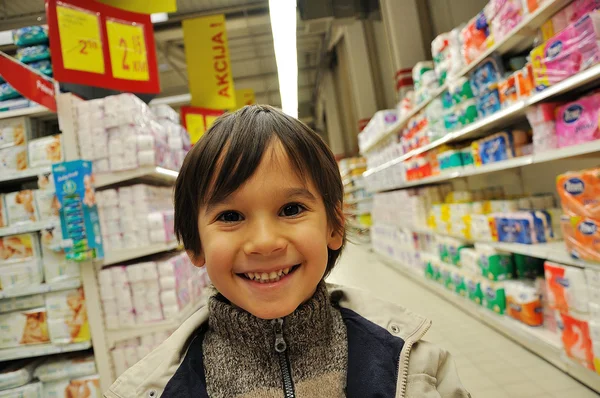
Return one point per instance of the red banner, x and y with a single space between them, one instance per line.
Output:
97 45
28 82
197 120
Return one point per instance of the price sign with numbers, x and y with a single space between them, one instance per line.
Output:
102 46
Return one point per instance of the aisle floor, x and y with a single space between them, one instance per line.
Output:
489 364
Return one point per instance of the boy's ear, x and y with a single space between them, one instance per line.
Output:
197 259
336 238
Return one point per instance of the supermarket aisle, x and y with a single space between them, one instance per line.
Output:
490 365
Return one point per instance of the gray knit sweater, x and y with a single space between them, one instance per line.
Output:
240 358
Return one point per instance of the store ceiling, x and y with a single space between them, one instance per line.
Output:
250 44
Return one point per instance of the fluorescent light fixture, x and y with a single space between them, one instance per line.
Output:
159 17
283 24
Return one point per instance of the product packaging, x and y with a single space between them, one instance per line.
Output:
8 92
473 286
474 37
14 131
67 388
67 316
576 339
568 15
17 248
45 151
577 122
78 212
495 265
21 303
33 53
503 16
23 328
581 236
30 35
32 390
528 267
523 302
566 288
446 51
16 374
579 192
542 120
494 296
13 159
20 207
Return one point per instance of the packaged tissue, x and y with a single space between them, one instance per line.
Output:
523 302
582 237
495 265
501 146
494 296
525 227
503 16
577 122
576 339
568 15
566 288
542 120
488 73
473 286
432 270
446 52
579 192
458 282
474 37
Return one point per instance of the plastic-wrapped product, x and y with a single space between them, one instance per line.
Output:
568 15
582 237
66 367
495 265
446 51
45 151
577 121
44 67
16 374
32 390
566 287
579 192
14 131
24 328
419 70
523 302
8 92
30 35
503 16
33 53
542 120
494 296
67 388
474 37
576 339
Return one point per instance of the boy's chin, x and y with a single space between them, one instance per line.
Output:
277 311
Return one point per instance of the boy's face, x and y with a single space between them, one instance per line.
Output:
273 224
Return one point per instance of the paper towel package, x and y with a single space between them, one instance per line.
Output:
576 340
566 288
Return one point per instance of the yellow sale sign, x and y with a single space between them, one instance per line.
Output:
143 6
197 120
244 97
208 65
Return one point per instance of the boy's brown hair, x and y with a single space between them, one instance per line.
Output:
229 153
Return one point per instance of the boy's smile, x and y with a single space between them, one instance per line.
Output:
266 245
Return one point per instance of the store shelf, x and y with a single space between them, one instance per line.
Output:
122 255
39 289
29 227
39 350
29 111
154 174
537 340
357 212
24 174
360 200
353 189
114 336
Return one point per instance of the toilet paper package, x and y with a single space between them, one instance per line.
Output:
593 278
432 269
576 339
577 122
566 288
579 192
66 367
473 286
469 261
581 237
32 390
503 16
495 265
494 296
474 38
446 276
523 302
458 282
23 328
568 15
527 267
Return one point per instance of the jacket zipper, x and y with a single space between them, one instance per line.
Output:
284 360
419 333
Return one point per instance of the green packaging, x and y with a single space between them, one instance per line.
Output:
473 286
458 282
494 296
497 266
528 267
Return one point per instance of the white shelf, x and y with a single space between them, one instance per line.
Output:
39 350
29 227
114 336
357 212
37 110
520 38
538 340
122 255
24 174
39 289
159 174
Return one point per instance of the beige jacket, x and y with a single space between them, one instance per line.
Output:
426 371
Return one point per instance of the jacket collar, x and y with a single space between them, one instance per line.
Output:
149 377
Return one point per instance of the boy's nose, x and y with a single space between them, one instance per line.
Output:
264 240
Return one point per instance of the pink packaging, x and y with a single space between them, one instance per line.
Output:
572 13
570 51
503 16
542 120
577 122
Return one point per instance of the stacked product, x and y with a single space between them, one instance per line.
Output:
136 216
459 104
148 292
32 49
177 137
357 201
402 245
425 81
447 56
129 352
120 132
58 377
593 281
379 123
567 291
578 192
18 152
503 16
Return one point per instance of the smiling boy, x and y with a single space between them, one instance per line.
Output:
258 202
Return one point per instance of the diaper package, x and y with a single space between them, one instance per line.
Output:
16 248
67 317
21 274
66 367
581 236
494 296
495 265
576 339
20 207
523 302
33 53
16 374
30 35
572 50
23 328
13 159
32 390
566 288
47 204
14 131
45 151
579 192
66 388
21 303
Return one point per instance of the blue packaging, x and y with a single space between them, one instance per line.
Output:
8 92
30 35
488 73
33 54
497 148
44 67
522 227
79 218
488 102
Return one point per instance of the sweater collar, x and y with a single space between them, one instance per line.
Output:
311 319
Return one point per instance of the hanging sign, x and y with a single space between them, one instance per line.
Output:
102 46
143 6
208 65
197 120
244 97
30 83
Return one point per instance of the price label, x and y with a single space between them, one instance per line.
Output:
81 45
127 47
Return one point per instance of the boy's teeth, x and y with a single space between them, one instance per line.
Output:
286 270
273 275
250 275
279 273
264 276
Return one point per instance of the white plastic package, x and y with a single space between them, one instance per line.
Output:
66 367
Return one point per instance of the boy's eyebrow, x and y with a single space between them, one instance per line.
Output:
291 192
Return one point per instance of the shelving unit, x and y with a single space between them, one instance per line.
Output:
123 255
29 227
539 341
144 174
24 174
40 289
33 111
39 350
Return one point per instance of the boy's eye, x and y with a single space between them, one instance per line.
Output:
292 210
230 216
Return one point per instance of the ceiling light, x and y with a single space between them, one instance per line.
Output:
159 17
283 24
